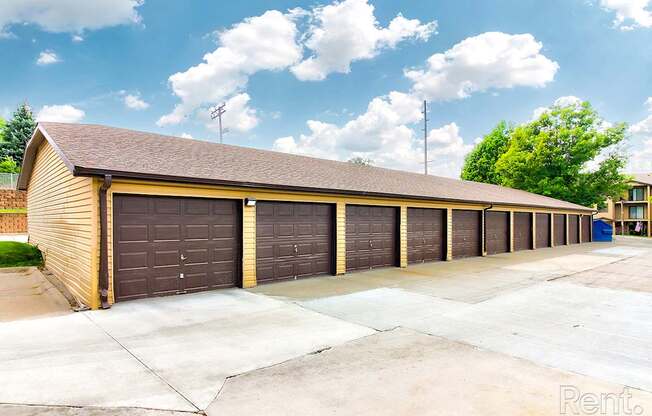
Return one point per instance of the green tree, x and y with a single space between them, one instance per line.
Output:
567 153
362 161
2 130
480 163
8 165
16 134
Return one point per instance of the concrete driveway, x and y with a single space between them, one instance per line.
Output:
498 335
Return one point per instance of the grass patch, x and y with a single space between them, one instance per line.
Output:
13 210
14 254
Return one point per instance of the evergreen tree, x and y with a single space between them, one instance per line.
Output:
16 134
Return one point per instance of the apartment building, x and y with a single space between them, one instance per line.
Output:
631 214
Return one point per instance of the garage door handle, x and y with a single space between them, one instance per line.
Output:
296 249
183 258
371 244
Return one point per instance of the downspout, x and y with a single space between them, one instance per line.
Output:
104 244
484 228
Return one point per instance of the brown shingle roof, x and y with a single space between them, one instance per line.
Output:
94 149
645 178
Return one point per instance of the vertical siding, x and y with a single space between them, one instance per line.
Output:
449 233
403 236
249 246
61 223
340 237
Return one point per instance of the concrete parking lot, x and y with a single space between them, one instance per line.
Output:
484 336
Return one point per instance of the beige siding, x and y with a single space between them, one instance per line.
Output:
340 237
61 222
403 258
249 246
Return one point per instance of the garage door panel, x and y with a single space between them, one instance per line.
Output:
466 233
224 231
162 233
132 233
165 206
543 230
300 236
373 224
195 281
223 255
426 234
498 237
284 250
284 230
167 258
130 261
573 229
135 206
522 231
175 227
196 232
586 228
560 229
264 230
165 284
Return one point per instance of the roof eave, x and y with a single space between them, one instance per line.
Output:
83 171
31 148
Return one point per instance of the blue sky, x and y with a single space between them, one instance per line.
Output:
330 79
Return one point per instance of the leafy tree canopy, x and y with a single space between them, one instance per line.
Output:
8 165
480 163
16 133
2 129
567 153
361 161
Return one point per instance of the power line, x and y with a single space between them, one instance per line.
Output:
216 113
425 137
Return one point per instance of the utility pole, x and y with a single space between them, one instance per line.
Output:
216 113
425 137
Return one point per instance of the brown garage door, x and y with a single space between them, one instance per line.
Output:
497 232
587 222
560 229
426 234
466 233
522 231
573 229
293 240
371 237
168 245
543 230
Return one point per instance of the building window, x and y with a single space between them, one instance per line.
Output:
636 213
636 194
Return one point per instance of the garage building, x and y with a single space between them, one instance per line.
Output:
122 215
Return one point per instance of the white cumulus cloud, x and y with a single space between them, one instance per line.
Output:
68 15
65 113
384 134
630 14
488 61
239 117
641 140
565 101
265 42
134 102
47 58
347 31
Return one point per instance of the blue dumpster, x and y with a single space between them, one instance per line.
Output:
602 231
